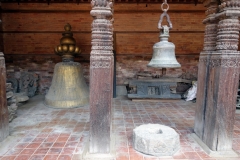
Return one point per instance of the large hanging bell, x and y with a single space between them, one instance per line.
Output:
164 52
68 88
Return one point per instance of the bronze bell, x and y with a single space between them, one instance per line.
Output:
68 88
164 51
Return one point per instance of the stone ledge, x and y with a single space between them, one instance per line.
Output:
211 153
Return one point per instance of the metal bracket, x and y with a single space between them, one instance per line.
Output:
164 14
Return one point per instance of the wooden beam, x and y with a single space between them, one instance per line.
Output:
4 130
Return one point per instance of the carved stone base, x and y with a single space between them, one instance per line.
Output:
155 88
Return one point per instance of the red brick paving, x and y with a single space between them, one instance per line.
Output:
61 134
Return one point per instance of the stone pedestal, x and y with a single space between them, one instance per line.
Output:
156 88
4 130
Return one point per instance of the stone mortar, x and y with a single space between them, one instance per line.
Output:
156 140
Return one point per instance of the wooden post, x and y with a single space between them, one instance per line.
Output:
4 130
101 77
203 66
215 112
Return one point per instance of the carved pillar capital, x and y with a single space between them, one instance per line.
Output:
102 28
228 34
229 5
101 8
211 27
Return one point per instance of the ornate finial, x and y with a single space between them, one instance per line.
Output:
67 27
67 48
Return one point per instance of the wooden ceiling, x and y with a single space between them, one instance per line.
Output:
88 1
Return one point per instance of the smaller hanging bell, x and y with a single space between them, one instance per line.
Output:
164 51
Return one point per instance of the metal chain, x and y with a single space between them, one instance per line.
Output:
165 2
164 14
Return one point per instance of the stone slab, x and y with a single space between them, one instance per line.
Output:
211 153
160 88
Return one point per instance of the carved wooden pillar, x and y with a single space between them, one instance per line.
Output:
214 119
101 77
4 130
203 66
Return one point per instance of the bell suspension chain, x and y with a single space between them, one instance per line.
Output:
164 14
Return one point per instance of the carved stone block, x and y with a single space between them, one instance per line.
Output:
156 140
156 88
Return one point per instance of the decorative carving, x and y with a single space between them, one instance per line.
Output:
141 89
14 84
11 102
212 9
100 62
231 62
141 144
165 89
28 83
228 34
210 37
161 147
152 90
156 140
229 5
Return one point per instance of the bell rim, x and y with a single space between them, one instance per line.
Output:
164 66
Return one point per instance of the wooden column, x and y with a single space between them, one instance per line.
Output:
4 130
203 66
215 112
101 77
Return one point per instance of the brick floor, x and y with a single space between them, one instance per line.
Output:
42 133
